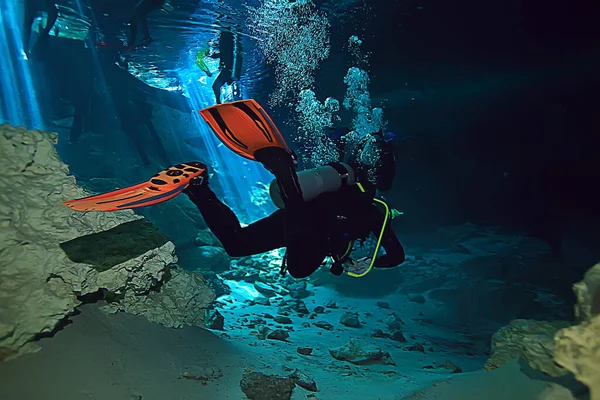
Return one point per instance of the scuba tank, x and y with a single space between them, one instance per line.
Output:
315 181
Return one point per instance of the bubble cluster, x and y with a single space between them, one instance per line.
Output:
315 118
358 100
294 38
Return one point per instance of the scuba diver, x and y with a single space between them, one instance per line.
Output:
322 212
230 63
140 15
32 7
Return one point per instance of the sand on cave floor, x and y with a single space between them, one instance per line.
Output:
121 356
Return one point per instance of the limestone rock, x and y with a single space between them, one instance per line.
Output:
588 294
323 325
264 289
353 352
50 256
304 381
305 351
554 392
278 334
259 386
216 321
532 340
350 319
577 348
181 301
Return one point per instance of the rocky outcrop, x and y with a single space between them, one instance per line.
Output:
578 347
588 295
557 347
52 259
532 340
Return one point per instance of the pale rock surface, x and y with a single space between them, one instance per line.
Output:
578 348
39 283
532 340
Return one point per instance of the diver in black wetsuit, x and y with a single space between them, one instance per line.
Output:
322 210
230 61
32 7
310 231
140 15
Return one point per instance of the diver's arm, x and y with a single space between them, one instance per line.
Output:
393 248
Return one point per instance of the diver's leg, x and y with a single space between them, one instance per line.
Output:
217 84
142 10
263 235
79 120
52 17
133 27
145 29
30 12
282 165
305 254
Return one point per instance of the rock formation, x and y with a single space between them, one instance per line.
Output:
532 340
578 348
52 259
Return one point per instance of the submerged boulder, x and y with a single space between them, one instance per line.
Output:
259 386
52 259
532 340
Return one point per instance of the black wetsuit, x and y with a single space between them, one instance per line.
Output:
309 230
230 61
140 15
31 9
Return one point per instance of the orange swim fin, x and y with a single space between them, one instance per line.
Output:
244 126
162 187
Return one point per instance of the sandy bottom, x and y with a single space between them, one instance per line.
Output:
121 356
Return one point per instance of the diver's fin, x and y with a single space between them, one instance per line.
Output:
162 187
244 127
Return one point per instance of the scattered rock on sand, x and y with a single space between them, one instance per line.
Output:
383 304
304 381
416 298
449 365
350 319
319 309
398 336
298 290
216 321
393 322
331 304
261 300
416 347
378 333
283 320
278 334
265 289
323 325
305 351
354 352
259 386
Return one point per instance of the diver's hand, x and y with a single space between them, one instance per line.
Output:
357 266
